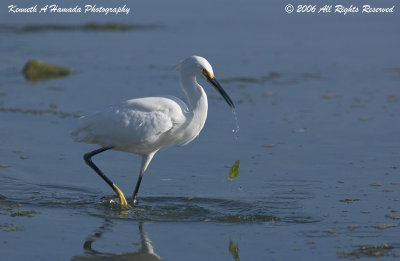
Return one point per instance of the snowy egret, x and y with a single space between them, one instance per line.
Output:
145 125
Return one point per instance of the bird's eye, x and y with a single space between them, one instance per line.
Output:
207 73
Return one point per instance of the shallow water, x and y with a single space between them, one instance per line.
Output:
317 101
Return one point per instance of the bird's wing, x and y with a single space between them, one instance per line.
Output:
136 121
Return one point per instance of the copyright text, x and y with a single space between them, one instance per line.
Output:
338 9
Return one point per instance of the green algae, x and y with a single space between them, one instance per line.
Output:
36 70
115 27
234 171
10 227
367 251
349 200
275 78
234 249
60 114
21 213
393 216
260 80
385 226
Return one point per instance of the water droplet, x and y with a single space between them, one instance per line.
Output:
236 131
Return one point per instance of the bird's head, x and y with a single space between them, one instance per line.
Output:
200 67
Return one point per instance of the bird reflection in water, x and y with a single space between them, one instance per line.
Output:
145 253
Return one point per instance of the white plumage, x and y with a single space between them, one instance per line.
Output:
139 126
143 126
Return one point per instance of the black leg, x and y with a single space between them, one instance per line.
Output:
134 196
88 159
145 163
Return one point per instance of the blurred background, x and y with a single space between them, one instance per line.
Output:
317 101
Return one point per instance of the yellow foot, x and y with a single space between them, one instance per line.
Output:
121 197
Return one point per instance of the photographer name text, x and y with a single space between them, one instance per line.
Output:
53 8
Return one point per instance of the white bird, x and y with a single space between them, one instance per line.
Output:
145 125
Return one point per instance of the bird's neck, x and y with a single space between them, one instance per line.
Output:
197 99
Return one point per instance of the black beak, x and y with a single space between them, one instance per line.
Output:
219 88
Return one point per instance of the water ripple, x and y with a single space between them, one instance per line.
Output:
181 209
284 205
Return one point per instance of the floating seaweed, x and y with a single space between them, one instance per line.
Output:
116 27
60 114
234 171
20 213
36 70
367 251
